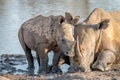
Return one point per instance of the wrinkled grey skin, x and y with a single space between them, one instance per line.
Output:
97 42
87 37
68 58
43 34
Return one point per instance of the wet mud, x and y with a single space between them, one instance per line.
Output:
13 67
11 64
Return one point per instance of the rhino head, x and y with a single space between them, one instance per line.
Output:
64 33
88 42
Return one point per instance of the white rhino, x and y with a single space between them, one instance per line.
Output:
43 34
98 41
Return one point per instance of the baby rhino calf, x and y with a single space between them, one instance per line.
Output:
43 34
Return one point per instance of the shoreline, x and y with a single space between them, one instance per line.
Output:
8 71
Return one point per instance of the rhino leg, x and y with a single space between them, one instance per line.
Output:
104 61
38 59
62 59
26 49
73 66
29 58
56 58
42 52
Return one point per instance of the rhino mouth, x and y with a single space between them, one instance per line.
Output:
69 53
98 68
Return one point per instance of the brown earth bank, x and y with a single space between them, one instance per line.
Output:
111 75
9 71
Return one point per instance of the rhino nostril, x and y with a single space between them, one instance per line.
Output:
66 52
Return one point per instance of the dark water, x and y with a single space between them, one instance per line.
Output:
14 12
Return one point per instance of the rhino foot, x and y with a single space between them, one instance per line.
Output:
29 68
56 70
43 70
74 69
30 71
52 69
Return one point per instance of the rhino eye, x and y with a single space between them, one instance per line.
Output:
63 41
108 63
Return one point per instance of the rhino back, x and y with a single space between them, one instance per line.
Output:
36 30
113 30
111 35
116 15
39 25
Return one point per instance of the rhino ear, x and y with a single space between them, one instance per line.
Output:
75 20
104 24
68 16
61 19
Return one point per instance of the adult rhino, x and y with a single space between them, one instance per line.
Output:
98 41
43 34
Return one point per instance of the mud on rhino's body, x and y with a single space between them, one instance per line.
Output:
43 34
98 41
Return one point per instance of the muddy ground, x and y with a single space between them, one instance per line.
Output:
10 69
